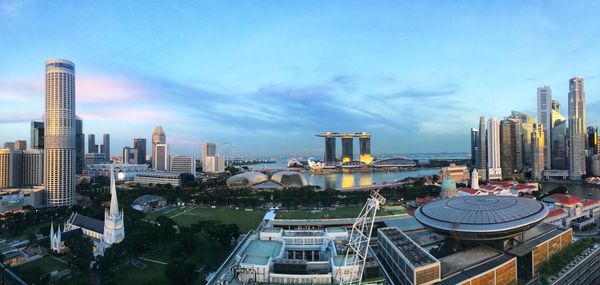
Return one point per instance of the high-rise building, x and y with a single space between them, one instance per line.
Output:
183 164
474 146
482 156
9 145
347 149
59 132
577 129
591 146
158 137
79 146
493 149
20 145
527 122
11 168
544 116
208 149
92 146
33 167
559 145
37 135
511 159
130 155
537 142
105 147
160 161
140 145
214 164
329 155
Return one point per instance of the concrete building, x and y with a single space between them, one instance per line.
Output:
130 155
37 135
140 145
20 145
158 137
214 164
329 155
474 146
13 199
59 133
527 122
493 150
160 160
121 171
537 142
559 139
482 155
591 146
511 156
33 167
92 146
544 117
183 164
458 173
105 147
94 158
208 149
577 125
11 167
155 178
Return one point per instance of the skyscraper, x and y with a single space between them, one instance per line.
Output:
576 128
544 116
105 148
510 148
208 150
474 146
10 168
92 147
493 149
59 132
559 142
161 161
482 156
79 146
140 145
158 137
183 164
33 167
20 145
591 146
37 135
130 155
537 142
527 122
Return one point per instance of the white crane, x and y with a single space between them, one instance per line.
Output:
358 244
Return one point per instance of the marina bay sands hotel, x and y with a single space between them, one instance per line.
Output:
347 147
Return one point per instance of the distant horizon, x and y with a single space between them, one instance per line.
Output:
267 79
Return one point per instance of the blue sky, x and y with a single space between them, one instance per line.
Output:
268 75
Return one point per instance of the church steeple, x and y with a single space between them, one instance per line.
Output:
114 204
114 228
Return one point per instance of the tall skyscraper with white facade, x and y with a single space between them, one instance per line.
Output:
208 149
577 128
481 164
59 132
544 116
493 149
158 137
160 161
537 143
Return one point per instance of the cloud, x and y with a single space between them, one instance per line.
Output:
423 93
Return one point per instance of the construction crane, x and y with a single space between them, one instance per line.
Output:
358 244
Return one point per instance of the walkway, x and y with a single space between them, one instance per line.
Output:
190 209
58 259
152 260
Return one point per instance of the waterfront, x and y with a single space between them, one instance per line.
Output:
582 190
341 180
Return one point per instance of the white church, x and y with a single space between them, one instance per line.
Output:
102 233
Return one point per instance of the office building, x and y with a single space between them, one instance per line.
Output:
33 167
559 146
37 135
208 149
9 145
105 147
183 164
140 145
494 169
154 178
59 133
527 122
92 146
474 146
130 155
214 164
94 158
160 160
544 117
11 167
347 149
482 156
365 149
577 128
14 199
537 142
20 145
511 157
158 137
79 146
591 146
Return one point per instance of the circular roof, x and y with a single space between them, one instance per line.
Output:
481 217
246 179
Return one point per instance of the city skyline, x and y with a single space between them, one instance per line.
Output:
266 82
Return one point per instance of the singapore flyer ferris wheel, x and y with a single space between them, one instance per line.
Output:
228 151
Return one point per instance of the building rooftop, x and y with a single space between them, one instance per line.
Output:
255 259
258 250
563 199
476 270
416 255
88 223
465 259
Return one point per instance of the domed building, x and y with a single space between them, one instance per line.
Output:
246 179
289 179
448 189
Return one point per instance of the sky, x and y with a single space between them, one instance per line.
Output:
266 76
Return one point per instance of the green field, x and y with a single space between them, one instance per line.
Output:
248 220
46 263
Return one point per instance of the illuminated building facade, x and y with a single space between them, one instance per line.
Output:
537 142
544 117
347 147
577 128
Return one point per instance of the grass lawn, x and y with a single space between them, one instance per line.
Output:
153 274
346 212
46 263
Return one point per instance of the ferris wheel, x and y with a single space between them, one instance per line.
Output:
228 151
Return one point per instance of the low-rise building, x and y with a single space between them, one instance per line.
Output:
154 178
121 171
147 203
14 199
458 173
574 209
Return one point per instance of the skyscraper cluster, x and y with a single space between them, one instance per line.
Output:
519 146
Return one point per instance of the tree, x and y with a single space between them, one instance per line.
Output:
180 272
80 252
36 276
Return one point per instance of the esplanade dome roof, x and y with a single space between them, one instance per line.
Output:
246 179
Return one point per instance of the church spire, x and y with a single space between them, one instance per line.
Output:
114 204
